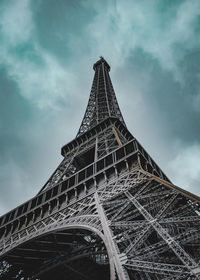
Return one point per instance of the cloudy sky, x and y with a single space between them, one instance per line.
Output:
47 49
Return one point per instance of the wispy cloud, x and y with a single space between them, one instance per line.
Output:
157 27
185 168
39 76
19 185
16 22
46 53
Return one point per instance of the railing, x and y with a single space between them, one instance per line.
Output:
72 185
78 183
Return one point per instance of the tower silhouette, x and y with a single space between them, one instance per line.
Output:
107 212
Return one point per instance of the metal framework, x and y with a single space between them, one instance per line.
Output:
107 212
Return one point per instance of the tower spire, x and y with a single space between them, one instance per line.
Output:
107 212
102 101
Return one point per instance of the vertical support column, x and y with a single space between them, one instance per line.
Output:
96 149
105 87
117 111
97 97
117 258
117 136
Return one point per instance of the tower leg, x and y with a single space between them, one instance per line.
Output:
117 258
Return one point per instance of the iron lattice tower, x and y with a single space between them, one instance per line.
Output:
107 212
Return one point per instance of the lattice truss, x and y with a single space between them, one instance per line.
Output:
103 143
116 222
151 228
78 252
102 102
156 228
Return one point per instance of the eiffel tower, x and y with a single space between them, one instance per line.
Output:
107 212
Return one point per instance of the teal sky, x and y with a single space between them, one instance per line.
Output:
47 49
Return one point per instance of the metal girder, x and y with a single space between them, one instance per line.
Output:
162 246
141 224
129 232
178 250
122 274
187 219
158 268
102 102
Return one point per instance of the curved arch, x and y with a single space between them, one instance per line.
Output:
100 234
66 225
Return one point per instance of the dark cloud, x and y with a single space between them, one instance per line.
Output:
171 102
59 23
46 54
16 114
